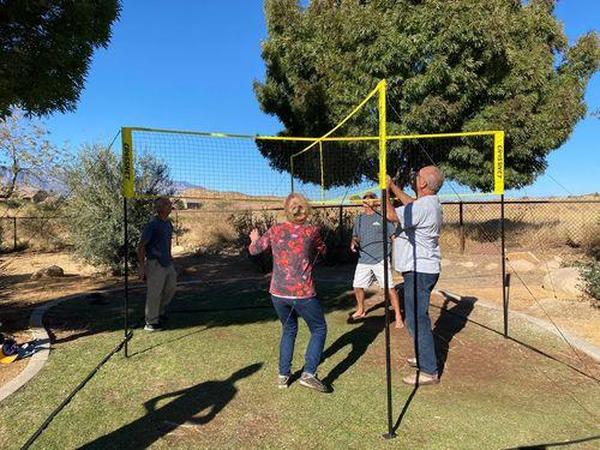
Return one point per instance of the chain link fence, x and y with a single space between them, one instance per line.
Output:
472 229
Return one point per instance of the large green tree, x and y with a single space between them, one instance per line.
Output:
451 65
45 50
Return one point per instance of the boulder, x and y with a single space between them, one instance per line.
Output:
49 272
565 279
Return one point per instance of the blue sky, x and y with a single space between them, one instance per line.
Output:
190 65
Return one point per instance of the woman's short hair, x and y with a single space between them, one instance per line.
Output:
297 208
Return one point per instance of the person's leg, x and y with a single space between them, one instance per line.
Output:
289 322
362 280
396 306
395 300
169 288
312 312
426 359
155 280
359 293
409 302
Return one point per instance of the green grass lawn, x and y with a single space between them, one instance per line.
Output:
207 381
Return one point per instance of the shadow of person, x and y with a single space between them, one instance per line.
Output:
359 339
196 405
450 322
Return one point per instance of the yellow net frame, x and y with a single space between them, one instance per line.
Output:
128 183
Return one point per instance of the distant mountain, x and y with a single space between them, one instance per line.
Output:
29 182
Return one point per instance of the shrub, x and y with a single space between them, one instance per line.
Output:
590 274
590 271
95 206
244 222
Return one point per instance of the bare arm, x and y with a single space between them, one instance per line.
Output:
141 254
399 193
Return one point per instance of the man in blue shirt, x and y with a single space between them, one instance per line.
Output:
367 240
156 264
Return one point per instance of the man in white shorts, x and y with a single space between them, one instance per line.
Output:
367 240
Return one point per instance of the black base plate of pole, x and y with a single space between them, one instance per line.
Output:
390 435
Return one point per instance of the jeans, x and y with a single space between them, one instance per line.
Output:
417 295
311 311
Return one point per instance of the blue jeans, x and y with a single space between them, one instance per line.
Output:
311 311
417 295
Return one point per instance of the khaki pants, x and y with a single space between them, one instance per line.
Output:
161 283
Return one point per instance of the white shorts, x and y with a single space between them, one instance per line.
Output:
366 273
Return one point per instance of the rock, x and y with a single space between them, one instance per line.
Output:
468 264
521 265
177 250
49 272
565 279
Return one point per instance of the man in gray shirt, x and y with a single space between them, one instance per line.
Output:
367 240
156 264
418 257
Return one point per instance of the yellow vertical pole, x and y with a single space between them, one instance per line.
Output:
128 186
382 136
322 172
499 162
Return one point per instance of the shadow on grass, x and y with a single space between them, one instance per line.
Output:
556 444
196 405
359 339
457 312
450 322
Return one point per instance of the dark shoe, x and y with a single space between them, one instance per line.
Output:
312 382
421 379
283 381
152 327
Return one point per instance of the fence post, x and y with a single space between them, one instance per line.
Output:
462 228
341 225
176 228
14 234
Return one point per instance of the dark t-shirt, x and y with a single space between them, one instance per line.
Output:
158 234
368 229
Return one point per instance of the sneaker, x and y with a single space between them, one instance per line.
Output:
412 362
421 379
152 327
312 382
283 381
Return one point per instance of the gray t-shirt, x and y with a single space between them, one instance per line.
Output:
368 229
417 245
158 234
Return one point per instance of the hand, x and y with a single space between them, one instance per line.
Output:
254 235
390 181
353 247
142 272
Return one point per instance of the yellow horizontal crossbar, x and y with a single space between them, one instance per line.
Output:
313 140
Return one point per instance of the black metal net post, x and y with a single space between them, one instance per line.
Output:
126 272
386 295
503 244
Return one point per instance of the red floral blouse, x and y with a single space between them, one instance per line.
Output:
295 250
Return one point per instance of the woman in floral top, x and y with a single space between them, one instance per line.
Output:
295 246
